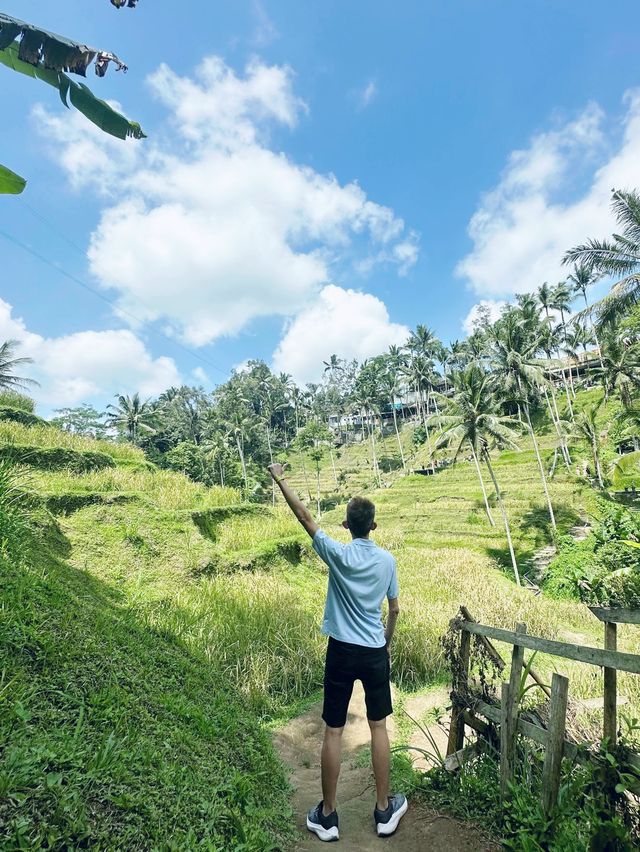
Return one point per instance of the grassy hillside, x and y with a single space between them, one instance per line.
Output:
157 626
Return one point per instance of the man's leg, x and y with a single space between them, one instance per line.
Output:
381 759
330 762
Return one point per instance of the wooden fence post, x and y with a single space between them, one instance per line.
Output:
555 742
610 725
509 716
461 681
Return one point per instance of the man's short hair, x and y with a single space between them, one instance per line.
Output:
360 516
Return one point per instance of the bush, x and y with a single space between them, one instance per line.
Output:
55 458
604 569
583 818
575 568
12 399
419 436
19 415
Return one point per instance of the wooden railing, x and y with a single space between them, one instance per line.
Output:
507 717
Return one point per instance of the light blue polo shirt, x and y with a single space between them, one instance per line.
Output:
360 575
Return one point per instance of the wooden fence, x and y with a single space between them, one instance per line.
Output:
507 715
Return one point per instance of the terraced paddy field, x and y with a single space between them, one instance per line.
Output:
155 621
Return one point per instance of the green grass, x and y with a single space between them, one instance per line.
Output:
52 437
164 489
116 735
145 657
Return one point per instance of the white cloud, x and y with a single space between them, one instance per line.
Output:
212 228
87 365
485 307
551 196
265 31
88 155
368 94
341 322
200 376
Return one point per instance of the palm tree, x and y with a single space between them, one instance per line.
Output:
517 372
471 417
562 302
620 367
545 298
529 310
549 337
415 370
586 427
619 256
366 397
215 446
423 341
548 297
9 363
333 365
392 386
132 415
582 278
631 425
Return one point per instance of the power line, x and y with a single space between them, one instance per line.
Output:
62 271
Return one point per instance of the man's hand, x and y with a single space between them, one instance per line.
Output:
276 470
294 502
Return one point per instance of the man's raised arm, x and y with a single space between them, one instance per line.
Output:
293 501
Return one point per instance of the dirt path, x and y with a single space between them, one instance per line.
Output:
299 747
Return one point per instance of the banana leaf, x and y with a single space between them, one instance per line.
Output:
81 96
10 182
41 48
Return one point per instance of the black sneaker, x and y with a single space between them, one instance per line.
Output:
387 821
326 827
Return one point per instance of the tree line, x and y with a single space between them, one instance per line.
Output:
469 398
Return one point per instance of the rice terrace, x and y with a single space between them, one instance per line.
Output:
320 426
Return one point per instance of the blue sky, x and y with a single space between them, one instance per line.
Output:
331 175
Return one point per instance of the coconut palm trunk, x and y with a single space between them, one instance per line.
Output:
273 484
543 476
596 460
556 423
375 455
395 424
242 460
503 511
304 472
318 489
333 465
593 329
484 490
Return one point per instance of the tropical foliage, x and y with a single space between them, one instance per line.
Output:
9 363
617 257
48 57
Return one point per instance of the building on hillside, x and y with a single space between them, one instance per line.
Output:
580 369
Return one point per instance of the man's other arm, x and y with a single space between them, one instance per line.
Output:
394 612
293 501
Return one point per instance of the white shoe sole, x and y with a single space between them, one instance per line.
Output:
384 829
326 834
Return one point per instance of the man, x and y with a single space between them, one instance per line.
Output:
361 575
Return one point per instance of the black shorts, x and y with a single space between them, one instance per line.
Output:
347 663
